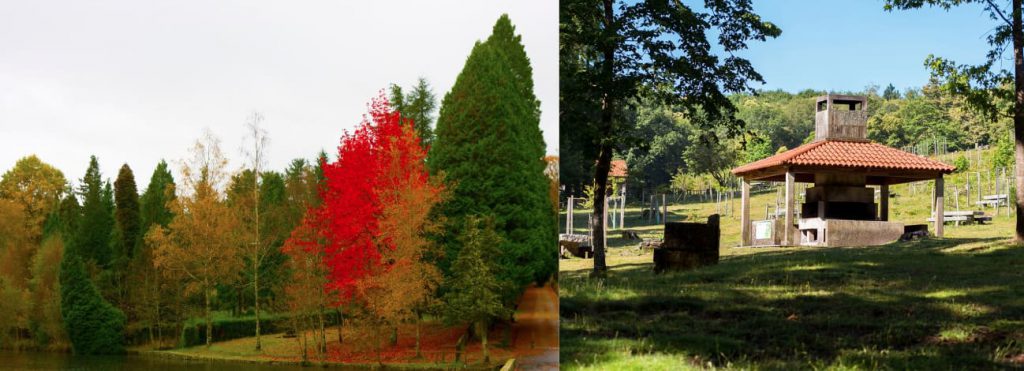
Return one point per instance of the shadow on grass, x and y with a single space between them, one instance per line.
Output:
951 303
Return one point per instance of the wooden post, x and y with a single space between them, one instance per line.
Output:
967 189
787 228
978 180
940 214
745 213
604 220
883 194
1006 186
568 216
622 211
664 209
650 211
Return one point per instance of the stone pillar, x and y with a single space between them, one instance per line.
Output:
940 214
745 239
883 203
787 229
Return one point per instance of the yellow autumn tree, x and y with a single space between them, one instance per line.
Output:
199 248
37 187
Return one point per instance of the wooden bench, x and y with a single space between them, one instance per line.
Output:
965 217
993 200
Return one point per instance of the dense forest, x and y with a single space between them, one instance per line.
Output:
676 154
408 220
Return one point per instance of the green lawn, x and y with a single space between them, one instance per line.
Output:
936 303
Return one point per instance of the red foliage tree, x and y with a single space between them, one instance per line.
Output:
354 192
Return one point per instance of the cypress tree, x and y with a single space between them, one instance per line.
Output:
126 211
489 145
126 233
92 324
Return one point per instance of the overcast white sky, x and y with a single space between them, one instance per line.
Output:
138 81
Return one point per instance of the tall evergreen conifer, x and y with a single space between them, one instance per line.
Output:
489 145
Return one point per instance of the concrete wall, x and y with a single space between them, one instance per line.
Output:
841 232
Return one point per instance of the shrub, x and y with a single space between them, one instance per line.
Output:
961 163
93 325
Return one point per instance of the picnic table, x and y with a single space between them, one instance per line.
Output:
993 200
965 217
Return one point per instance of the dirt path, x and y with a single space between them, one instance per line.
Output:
536 329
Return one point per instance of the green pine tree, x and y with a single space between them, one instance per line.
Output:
153 204
92 239
489 146
475 293
92 324
418 105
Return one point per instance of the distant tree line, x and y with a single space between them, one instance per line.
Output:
674 151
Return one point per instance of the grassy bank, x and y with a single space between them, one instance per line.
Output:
438 350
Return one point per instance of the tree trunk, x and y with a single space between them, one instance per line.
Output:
209 326
156 307
483 341
418 354
340 319
256 296
597 218
323 330
256 246
604 159
1018 115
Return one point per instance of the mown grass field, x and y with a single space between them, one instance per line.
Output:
949 303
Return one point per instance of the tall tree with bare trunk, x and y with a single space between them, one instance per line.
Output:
611 50
987 85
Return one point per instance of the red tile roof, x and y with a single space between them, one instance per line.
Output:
847 154
619 169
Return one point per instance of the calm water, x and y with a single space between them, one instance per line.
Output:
57 361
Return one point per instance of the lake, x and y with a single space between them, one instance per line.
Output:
61 361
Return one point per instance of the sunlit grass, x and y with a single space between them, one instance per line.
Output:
925 304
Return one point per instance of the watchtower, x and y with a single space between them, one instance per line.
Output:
841 117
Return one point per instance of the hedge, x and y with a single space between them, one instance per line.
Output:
234 328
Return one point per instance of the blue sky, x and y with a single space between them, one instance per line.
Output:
849 45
